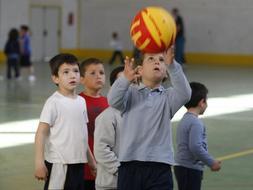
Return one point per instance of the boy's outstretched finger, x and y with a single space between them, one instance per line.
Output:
127 62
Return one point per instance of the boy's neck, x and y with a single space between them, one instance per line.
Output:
194 111
92 93
151 85
70 94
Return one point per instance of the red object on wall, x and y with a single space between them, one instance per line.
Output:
70 19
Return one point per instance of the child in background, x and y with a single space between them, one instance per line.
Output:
106 143
146 151
117 46
26 51
12 51
61 141
192 153
93 80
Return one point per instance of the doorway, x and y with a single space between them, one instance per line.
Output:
45 32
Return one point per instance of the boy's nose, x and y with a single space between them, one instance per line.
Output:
156 61
74 75
99 76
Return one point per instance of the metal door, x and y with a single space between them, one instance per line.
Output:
45 31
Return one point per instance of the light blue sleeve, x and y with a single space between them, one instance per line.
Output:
196 145
180 93
118 94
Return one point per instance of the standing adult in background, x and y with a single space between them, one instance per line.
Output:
117 46
180 38
25 45
136 53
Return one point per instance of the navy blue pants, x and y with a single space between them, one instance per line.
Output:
12 64
188 179
89 185
138 175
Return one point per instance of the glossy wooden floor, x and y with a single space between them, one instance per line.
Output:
228 119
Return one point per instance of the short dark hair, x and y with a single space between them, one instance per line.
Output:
114 73
199 92
13 34
87 62
175 10
24 27
59 60
115 34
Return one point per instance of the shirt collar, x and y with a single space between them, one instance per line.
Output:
158 89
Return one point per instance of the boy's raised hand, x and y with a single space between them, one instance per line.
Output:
130 72
169 54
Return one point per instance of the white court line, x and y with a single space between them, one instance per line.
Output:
216 106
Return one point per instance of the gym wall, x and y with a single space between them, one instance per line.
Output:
217 31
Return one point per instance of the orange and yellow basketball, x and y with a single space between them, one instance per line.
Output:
153 30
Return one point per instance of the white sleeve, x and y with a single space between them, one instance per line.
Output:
48 114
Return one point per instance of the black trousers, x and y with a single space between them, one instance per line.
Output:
12 64
188 179
115 55
89 185
138 175
74 176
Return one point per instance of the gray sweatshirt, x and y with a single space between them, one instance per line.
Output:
192 150
106 148
146 127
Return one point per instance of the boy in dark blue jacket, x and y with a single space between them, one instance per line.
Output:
12 51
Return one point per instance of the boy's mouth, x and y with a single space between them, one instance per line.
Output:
72 82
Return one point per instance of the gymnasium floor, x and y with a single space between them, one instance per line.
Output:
228 119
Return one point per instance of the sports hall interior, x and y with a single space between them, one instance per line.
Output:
218 52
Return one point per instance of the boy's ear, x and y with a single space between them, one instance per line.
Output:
55 79
201 102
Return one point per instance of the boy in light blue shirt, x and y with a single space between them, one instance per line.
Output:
146 152
192 151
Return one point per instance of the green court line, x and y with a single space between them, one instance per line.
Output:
235 155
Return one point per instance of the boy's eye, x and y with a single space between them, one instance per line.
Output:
90 74
101 72
76 71
161 59
66 72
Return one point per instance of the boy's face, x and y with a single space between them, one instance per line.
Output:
94 77
68 77
22 32
153 68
